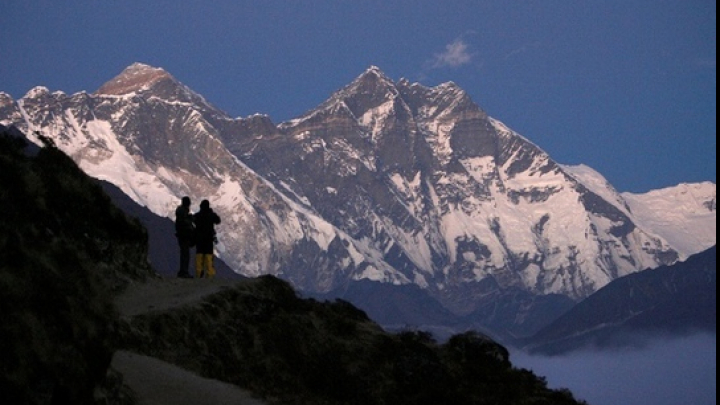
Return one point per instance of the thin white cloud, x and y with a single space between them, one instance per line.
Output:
523 49
517 51
455 54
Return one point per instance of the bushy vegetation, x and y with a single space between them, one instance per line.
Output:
63 247
260 335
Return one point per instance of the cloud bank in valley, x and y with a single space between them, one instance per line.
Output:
666 372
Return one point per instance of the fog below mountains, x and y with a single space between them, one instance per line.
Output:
665 372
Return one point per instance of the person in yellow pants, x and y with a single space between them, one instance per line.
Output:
204 265
205 221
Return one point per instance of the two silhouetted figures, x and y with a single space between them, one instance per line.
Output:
196 230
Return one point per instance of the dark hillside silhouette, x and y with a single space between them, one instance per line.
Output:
64 248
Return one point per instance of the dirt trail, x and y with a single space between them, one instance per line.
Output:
163 293
156 382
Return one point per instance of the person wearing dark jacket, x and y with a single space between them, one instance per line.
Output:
205 221
185 233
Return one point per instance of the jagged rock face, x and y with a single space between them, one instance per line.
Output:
426 176
393 182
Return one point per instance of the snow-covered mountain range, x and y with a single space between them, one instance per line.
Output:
391 182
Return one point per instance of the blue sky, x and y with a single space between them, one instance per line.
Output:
627 87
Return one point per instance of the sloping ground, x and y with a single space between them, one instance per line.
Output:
258 334
165 293
156 382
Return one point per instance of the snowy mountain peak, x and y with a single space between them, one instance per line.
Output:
376 72
367 92
142 79
450 88
5 98
37 91
134 78
373 93
684 215
371 82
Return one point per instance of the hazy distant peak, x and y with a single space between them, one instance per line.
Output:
135 77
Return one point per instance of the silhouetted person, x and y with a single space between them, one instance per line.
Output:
185 233
205 221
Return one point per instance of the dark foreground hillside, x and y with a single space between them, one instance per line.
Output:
67 255
64 251
288 350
